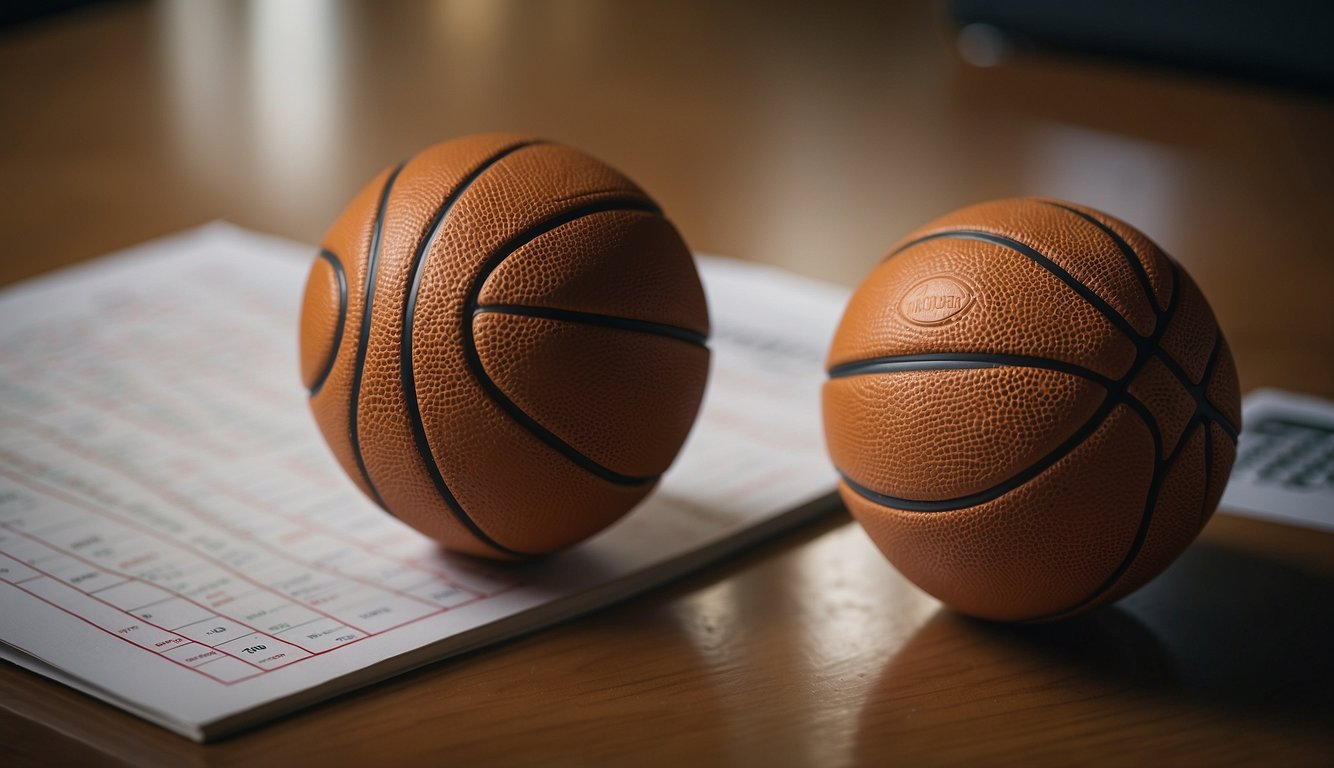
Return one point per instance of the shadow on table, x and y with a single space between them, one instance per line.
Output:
1223 640
1244 632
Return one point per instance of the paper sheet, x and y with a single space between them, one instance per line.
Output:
175 537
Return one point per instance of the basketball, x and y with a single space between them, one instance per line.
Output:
1032 409
504 344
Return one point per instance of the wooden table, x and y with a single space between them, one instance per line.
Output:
807 137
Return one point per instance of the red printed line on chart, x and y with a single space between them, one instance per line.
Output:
130 522
105 405
185 503
312 526
313 654
104 630
127 577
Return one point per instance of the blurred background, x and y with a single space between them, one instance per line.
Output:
805 135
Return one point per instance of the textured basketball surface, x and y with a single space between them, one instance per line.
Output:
503 340
1032 408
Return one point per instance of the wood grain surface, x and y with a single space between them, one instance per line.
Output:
808 136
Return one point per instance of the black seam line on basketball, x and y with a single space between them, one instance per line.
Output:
1161 465
962 361
363 337
1037 257
1174 368
1132 258
1160 472
1208 472
981 360
1150 422
1042 260
1146 349
407 375
1168 362
1196 391
1117 394
1143 344
337 266
475 361
590 318
1077 437
1201 393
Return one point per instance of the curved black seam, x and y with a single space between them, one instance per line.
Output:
363 340
1201 393
337 266
1195 391
1198 392
1160 472
1174 368
893 365
1043 261
961 360
1212 362
1216 417
980 360
1208 473
1150 421
675 332
1170 363
1131 257
407 375
1143 344
1117 394
474 359
1160 469
1014 481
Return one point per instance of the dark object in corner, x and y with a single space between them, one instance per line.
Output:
15 12
1288 43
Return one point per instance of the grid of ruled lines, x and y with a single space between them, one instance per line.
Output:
232 551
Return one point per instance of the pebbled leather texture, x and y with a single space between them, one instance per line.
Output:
533 356
322 319
1032 407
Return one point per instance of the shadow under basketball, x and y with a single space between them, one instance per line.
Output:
1244 632
1223 641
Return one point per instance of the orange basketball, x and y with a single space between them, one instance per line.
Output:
503 340
1032 408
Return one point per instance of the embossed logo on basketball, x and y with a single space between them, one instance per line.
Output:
936 300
